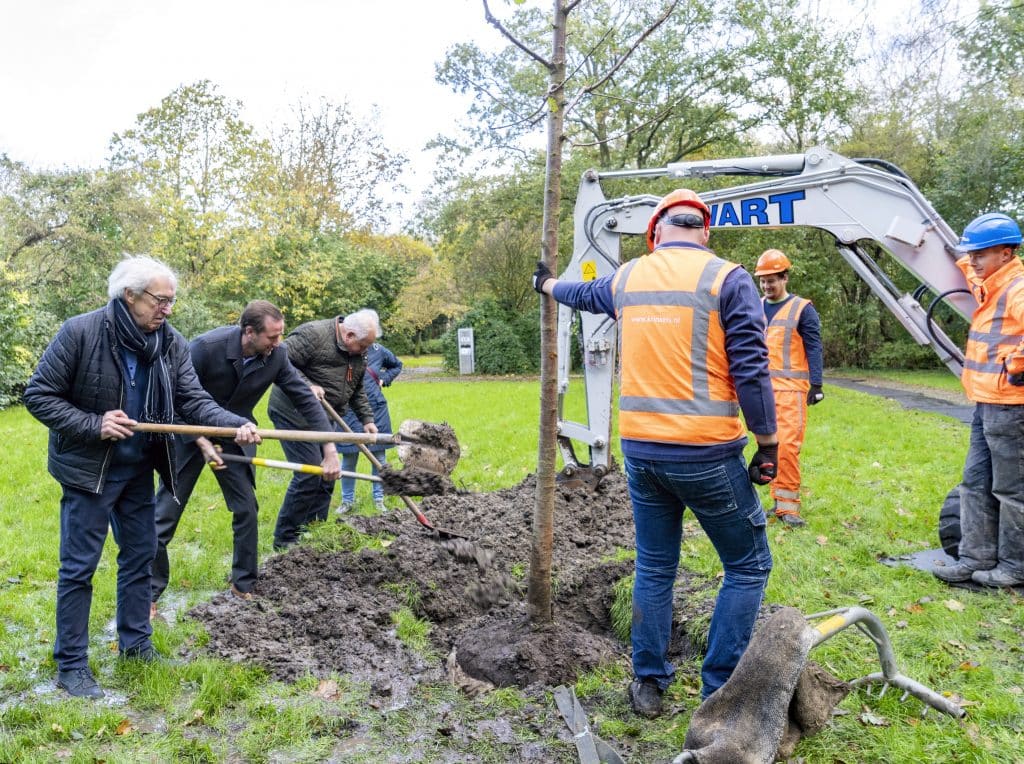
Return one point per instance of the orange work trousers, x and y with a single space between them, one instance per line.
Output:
791 417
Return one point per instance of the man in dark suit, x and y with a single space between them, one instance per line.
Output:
236 365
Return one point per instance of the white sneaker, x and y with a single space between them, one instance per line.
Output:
344 508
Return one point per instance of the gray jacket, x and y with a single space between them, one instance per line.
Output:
79 378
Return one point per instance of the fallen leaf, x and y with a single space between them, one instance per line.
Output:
901 624
197 717
954 605
57 728
969 665
1015 690
956 644
867 717
914 608
822 540
327 690
124 728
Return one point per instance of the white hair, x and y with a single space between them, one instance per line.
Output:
135 273
363 322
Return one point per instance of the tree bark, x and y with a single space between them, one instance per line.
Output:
539 589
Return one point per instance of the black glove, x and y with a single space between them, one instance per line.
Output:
1017 380
815 395
763 464
542 274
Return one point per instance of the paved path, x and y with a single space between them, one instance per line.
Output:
909 398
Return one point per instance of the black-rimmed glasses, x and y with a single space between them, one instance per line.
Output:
162 302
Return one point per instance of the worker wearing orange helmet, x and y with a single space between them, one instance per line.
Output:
693 355
795 361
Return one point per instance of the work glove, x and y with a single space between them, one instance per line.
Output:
815 395
542 274
763 464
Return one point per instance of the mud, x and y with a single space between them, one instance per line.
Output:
411 481
429 445
330 612
326 613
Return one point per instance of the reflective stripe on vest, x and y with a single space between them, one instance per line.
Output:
787 358
995 333
676 386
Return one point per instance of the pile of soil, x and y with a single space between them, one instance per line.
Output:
324 612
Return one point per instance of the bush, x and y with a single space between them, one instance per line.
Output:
499 349
24 334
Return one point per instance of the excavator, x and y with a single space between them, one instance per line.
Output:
857 201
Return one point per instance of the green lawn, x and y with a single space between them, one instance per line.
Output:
875 476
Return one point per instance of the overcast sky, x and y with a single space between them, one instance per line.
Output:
73 72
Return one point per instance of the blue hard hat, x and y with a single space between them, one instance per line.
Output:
989 230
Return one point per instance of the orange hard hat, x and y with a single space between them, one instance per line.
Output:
772 261
675 198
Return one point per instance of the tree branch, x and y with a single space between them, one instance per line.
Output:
624 57
494 22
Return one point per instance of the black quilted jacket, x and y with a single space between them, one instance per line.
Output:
79 379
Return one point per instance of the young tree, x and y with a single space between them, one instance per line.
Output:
556 103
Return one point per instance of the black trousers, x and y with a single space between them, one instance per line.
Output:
238 484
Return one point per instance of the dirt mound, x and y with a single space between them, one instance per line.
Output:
322 612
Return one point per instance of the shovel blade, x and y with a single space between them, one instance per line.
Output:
432 447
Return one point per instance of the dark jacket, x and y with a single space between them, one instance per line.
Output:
238 386
80 378
382 366
321 359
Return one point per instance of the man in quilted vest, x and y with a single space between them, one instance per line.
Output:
795 363
330 356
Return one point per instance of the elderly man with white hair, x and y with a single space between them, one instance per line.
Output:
330 354
105 372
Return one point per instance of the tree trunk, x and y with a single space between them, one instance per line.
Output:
539 590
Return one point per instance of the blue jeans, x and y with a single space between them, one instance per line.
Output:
348 485
308 498
992 491
127 508
728 509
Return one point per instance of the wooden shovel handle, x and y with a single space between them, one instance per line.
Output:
308 436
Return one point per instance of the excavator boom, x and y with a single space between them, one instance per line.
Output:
856 201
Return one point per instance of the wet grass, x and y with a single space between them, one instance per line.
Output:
874 476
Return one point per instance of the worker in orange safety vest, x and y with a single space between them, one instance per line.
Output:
795 363
991 549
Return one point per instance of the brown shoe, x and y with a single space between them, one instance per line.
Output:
235 591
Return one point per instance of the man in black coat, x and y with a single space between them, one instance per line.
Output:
104 373
236 365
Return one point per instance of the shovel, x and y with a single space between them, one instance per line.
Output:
395 483
413 507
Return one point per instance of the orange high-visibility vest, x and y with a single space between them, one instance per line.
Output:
997 327
787 358
675 381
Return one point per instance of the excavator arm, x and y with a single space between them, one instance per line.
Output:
856 201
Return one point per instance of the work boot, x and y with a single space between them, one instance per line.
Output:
996 577
956 573
645 698
792 519
344 508
79 683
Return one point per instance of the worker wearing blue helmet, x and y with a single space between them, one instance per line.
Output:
992 492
